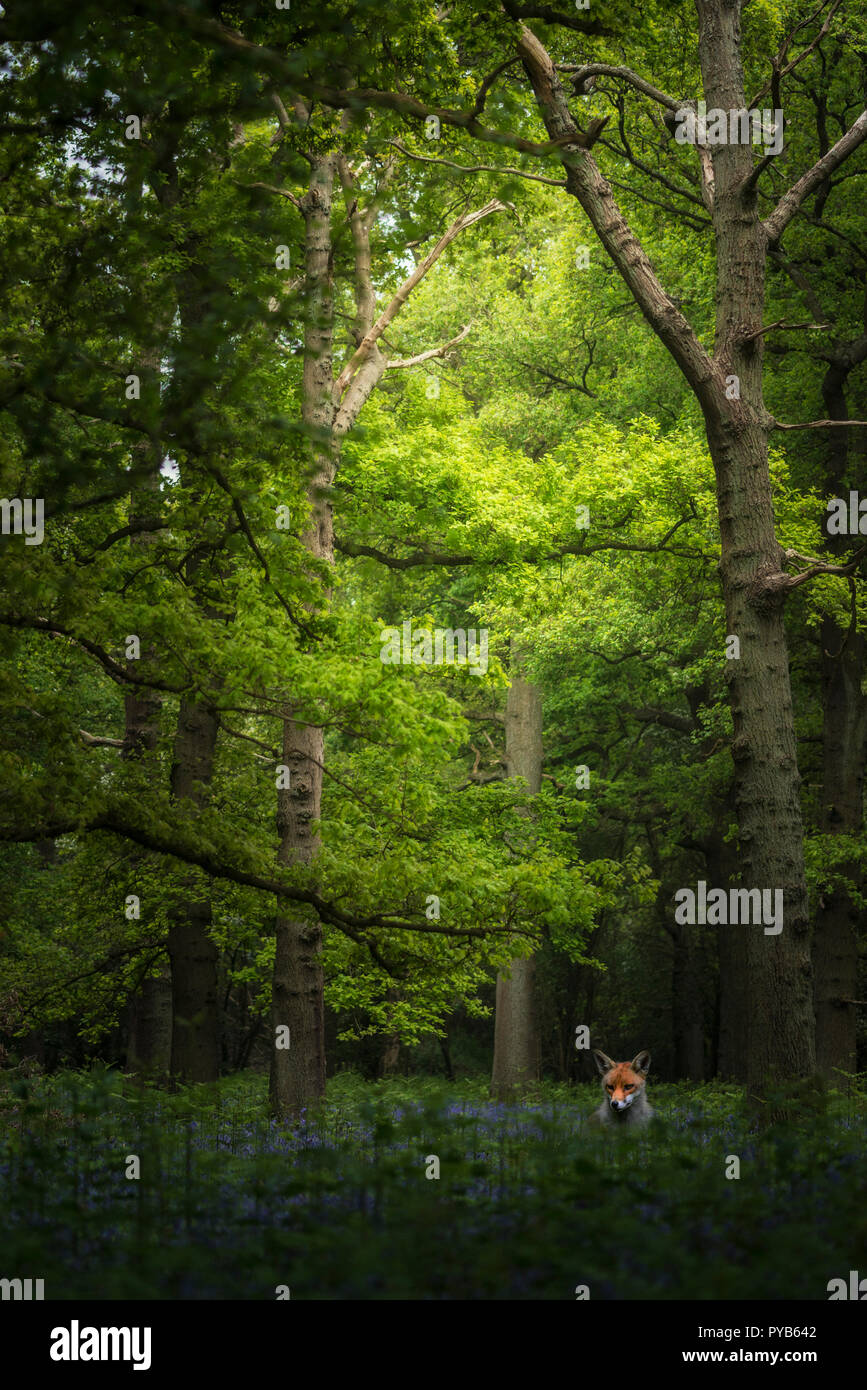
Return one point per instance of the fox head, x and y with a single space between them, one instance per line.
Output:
623 1081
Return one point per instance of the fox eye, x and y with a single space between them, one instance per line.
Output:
630 1087
609 1088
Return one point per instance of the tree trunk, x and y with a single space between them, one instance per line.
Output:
844 751
298 1072
835 941
781 1034
516 1034
149 1018
728 386
687 1006
192 951
390 1054
149 1042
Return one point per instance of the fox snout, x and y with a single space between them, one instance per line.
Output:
617 1104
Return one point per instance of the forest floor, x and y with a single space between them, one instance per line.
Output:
528 1203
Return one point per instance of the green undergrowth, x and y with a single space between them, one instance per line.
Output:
345 1202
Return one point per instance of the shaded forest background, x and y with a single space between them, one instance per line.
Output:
293 359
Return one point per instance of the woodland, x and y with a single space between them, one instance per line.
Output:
433 645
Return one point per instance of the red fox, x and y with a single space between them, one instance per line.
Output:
625 1104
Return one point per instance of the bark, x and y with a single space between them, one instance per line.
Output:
390 1054
687 1005
330 408
835 940
298 1072
733 1010
193 954
782 1029
844 752
781 1042
516 1032
388 1062
149 1018
149 1041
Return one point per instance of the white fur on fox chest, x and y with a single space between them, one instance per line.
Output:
634 1110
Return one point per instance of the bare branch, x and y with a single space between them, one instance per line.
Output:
680 723
220 478
819 425
781 324
93 741
820 567
487 83
585 182
560 382
271 188
402 295
356 98
427 356
477 168
777 61
123 675
580 74
398 562
552 16
792 200
581 547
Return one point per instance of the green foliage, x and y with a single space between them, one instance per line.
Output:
527 1205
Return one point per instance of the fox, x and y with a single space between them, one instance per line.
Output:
625 1106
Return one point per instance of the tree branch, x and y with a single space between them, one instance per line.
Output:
477 168
368 342
271 188
394 362
819 425
123 675
580 74
173 843
781 324
791 201
586 183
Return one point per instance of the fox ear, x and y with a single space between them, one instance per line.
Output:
603 1063
641 1063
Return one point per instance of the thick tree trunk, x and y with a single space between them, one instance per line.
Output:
728 386
835 941
733 1008
298 1072
733 1003
149 1043
844 752
149 1018
192 951
389 1057
781 1035
687 1006
516 1033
